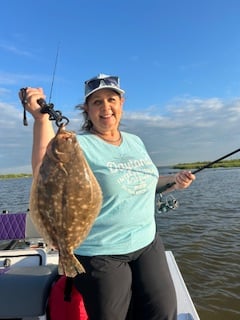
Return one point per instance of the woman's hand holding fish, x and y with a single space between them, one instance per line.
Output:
31 105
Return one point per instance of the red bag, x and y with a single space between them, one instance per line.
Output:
62 307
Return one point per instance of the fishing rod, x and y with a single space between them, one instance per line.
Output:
54 72
46 107
171 202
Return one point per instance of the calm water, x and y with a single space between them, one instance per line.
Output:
203 233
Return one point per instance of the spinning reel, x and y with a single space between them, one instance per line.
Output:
165 203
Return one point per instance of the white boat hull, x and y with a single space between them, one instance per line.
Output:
28 259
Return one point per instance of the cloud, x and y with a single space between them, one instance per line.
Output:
8 78
4 91
13 49
187 129
190 112
16 140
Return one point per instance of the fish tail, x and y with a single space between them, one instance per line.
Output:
69 266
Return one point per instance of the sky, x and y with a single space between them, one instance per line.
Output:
178 61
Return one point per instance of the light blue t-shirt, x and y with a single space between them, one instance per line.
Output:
128 179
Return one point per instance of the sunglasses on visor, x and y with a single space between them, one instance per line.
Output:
96 83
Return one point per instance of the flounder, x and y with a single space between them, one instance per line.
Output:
65 199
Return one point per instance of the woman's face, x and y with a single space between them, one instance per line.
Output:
104 108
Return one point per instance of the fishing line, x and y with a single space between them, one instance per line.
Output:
54 72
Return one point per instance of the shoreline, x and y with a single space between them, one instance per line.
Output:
15 175
197 165
182 166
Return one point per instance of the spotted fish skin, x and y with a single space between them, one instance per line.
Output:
65 199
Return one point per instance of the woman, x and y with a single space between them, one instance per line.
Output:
127 275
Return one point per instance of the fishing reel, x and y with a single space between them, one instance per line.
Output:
165 203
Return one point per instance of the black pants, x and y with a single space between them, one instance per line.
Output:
132 286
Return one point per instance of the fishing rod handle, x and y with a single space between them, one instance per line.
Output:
42 103
165 187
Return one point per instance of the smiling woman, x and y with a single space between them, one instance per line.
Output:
123 255
104 109
96 102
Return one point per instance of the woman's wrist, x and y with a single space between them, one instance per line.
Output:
40 117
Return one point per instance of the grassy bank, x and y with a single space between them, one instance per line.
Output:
188 166
15 175
196 165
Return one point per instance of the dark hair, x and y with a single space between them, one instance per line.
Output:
87 123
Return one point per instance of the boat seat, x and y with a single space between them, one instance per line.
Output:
12 226
12 229
15 228
27 289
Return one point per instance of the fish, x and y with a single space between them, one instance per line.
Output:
65 199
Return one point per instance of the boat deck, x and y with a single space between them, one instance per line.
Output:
186 308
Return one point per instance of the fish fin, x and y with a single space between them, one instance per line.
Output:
70 266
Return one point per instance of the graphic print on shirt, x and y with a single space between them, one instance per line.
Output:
133 175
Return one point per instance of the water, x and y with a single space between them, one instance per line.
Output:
203 233
14 194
